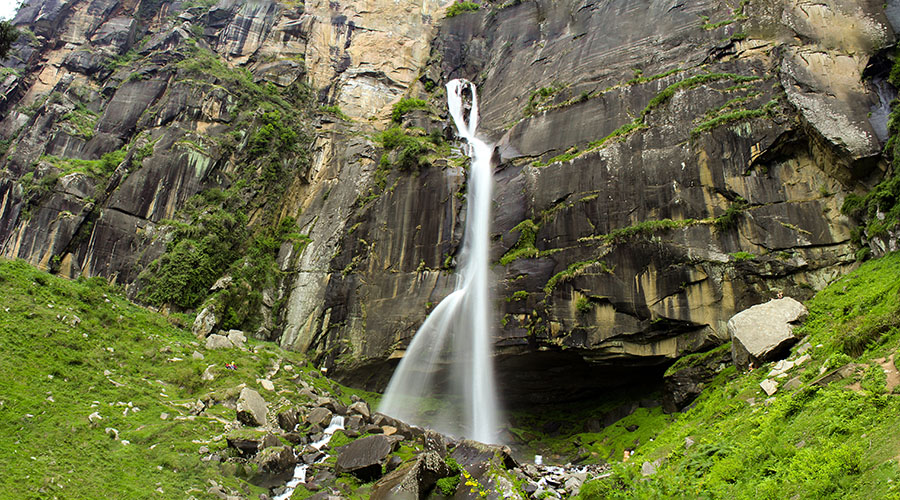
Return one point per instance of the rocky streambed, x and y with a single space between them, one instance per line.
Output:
324 449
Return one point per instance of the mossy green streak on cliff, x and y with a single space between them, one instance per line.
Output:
660 100
73 348
835 440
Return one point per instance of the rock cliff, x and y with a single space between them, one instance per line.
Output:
661 165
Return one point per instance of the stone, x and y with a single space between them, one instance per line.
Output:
319 416
769 386
266 384
469 452
275 459
208 373
650 468
287 420
435 441
197 355
354 422
363 458
387 430
216 341
412 482
251 408
764 332
360 408
237 338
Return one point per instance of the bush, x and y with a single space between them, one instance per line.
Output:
405 106
460 7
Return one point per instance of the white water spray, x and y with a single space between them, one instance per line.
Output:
445 381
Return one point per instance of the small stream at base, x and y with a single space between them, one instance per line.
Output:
336 424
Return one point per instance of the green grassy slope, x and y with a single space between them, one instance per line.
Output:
835 440
55 372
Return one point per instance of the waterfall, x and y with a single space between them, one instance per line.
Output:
445 381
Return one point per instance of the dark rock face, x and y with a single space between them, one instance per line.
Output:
681 387
723 190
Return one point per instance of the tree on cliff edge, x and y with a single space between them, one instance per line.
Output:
8 35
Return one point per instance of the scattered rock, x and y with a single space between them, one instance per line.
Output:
251 408
769 386
412 482
287 420
266 384
216 341
361 408
836 374
208 373
320 416
363 457
387 430
764 332
237 338
435 441
275 459
197 355
650 468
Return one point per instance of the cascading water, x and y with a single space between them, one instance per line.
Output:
337 423
445 381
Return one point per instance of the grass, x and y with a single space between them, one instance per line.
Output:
73 348
836 441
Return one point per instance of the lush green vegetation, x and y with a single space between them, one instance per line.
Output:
75 348
410 148
524 247
460 7
405 106
8 36
835 440
336 111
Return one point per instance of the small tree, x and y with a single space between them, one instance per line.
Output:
8 36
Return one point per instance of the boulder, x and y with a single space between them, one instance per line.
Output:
287 419
275 459
251 408
413 482
320 416
237 338
468 452
361 408
216 341
363 457
435 441
764 332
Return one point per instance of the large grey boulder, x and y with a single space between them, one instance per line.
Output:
251 408
764 332
413 482
216 341
363 457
